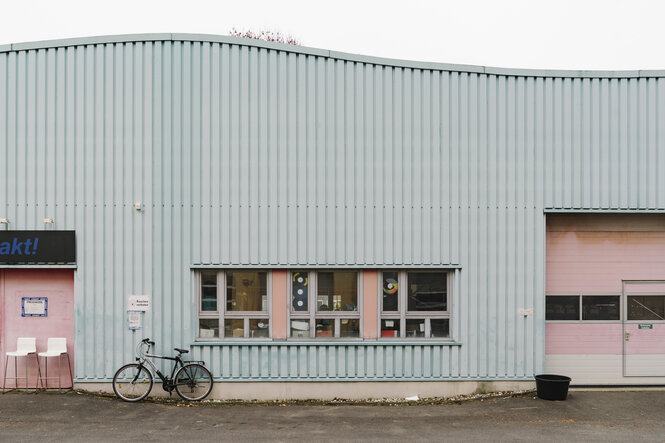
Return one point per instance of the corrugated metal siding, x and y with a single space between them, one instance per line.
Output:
245 155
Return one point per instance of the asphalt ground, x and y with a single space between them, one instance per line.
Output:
584 416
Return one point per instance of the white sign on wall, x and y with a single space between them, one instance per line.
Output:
139 303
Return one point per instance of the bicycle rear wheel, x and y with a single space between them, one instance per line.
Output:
132 382
193 382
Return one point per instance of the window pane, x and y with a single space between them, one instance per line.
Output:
390 328
325 327
300 328
208 291
349 327
259 327
415 327
209 298
440 327
600 307
646 307
562 307
234 328
427 291
208 328
299 291
390 293
246 291
337 291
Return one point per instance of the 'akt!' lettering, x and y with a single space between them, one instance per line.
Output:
26 247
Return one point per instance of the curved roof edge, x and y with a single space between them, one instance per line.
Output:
126 38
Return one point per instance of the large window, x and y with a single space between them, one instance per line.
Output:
582 307
324 304
234 304
415 304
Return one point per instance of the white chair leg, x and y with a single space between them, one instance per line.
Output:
71 374
59 374
4 380
39 375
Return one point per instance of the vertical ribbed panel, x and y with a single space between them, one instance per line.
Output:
246 155
312 361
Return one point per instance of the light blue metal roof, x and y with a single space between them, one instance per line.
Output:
210 38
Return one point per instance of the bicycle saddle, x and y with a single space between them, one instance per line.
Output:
182 351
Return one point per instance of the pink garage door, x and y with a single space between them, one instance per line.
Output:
26 289
593 325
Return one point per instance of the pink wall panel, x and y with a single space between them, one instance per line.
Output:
583 338
370 303
280 301
645 341
597 261
58 286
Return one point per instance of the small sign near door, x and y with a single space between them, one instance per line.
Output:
34 306
645 326
139 302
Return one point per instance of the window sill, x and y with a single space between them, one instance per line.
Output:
328 342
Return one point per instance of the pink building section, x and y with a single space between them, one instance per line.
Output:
594 254
57 285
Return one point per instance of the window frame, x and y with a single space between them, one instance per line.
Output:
313 315
581 296
403 314
221 315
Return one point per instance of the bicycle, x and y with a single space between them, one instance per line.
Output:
190 379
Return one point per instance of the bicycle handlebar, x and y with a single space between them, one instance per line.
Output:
148 341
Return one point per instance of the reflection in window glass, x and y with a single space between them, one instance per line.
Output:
390 293
427 291
390 328
565 307
337 291
646 307
209 328
440 327
299 291
259 327
325 327
415 327
208 291
600 307
246 291
234 328
300 328
349 327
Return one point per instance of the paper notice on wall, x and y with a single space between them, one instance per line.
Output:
139 302
133 320
34 306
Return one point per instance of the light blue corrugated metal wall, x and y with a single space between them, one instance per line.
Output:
264 156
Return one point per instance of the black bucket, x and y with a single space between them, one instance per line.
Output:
552 387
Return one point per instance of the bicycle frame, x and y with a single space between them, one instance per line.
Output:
168 384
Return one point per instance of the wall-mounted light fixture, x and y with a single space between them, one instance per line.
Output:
48 223
5 221
138 206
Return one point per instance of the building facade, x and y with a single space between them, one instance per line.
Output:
319 224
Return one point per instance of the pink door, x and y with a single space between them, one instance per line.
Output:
23 295
644 328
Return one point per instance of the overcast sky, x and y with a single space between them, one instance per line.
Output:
563 34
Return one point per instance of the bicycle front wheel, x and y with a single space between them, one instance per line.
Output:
132 382
193 382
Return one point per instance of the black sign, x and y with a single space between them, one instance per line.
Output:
33 247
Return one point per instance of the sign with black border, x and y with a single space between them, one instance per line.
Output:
37 247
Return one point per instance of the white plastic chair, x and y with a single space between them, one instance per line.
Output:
56 347
24 347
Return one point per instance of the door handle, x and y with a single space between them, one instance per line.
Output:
627 336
